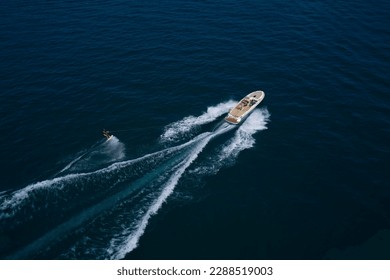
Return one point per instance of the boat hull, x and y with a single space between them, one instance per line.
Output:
243 108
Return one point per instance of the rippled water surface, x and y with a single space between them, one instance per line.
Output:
304 177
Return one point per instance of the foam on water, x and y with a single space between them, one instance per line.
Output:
113 201
101 153
80 220
114 149
160 173
175 131
125 244
242 139
10 204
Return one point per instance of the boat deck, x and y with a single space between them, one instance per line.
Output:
246 104
244 107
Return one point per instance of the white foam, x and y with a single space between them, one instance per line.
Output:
242 139
19 196
128 239
110 203
9 203
174 132
106 152
121 246
114 149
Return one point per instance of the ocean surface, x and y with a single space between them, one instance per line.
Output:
306 176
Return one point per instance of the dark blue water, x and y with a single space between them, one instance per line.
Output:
306 176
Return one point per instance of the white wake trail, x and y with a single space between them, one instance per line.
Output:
107 152
243 139
175 131
9 204
81 220
70 164
153 179
128 243
115 148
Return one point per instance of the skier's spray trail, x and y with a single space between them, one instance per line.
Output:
103 213
103 152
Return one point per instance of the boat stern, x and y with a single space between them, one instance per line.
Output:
232 119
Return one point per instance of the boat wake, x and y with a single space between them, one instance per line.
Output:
102 214
226 154
99 154
178 130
